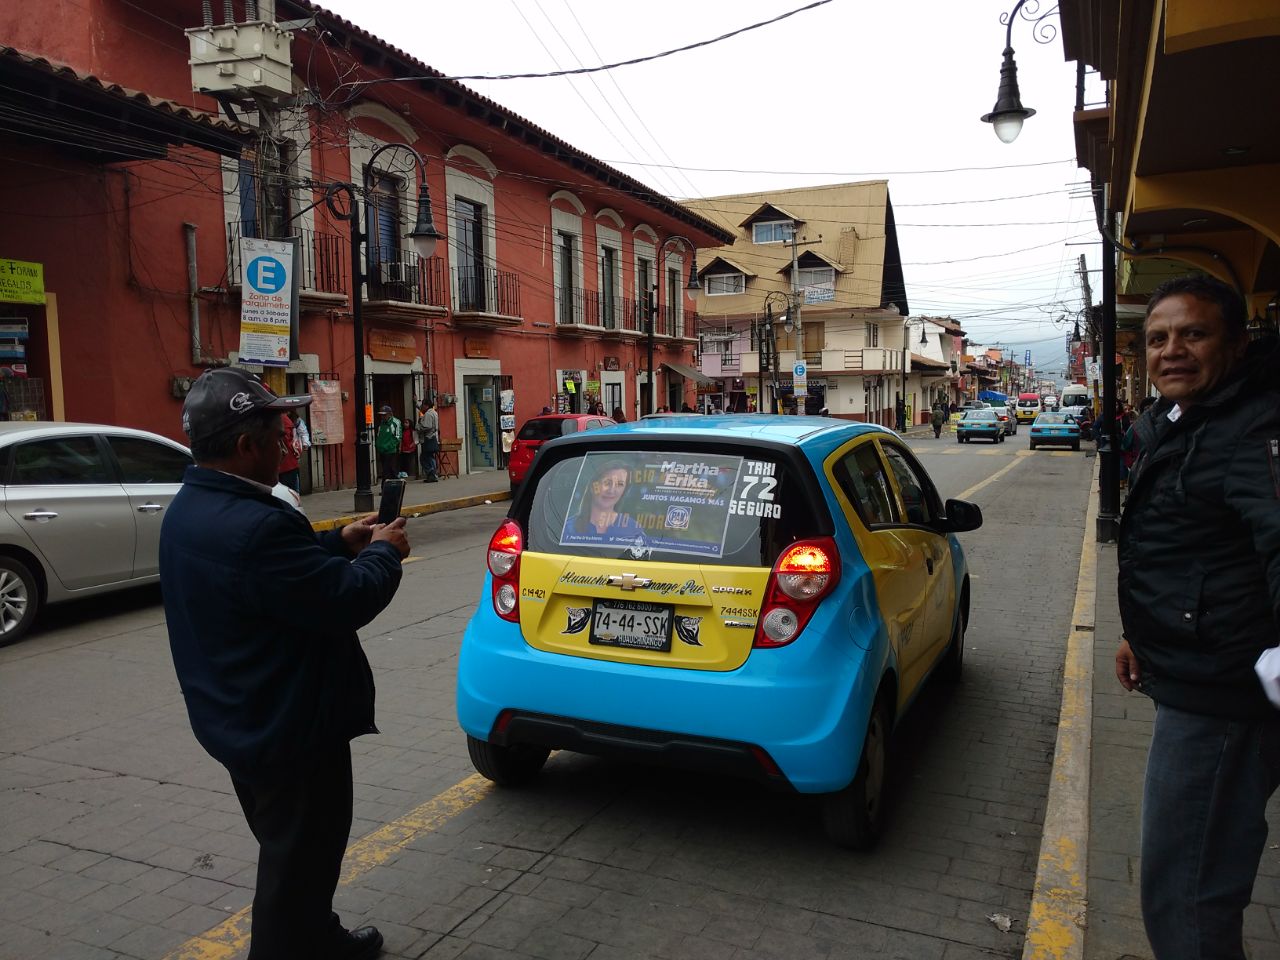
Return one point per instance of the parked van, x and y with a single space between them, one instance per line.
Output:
1028 407
1074 396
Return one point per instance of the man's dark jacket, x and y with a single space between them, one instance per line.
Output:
262 616
1200 544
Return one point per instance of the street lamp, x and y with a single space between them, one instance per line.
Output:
692 284
1007 115
424 236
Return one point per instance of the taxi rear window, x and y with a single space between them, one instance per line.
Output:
723 507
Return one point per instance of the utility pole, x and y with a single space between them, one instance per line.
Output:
796 322
1089 325
906 350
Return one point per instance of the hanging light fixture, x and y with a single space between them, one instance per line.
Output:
1007 115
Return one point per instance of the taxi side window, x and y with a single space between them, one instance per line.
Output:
914 490
861 476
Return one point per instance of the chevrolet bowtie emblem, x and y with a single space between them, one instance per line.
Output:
628 581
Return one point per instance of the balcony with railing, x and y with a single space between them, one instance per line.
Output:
582 312
871 360
486 297
676 326
401 276
324 261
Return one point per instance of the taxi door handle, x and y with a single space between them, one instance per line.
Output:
40 515
150 508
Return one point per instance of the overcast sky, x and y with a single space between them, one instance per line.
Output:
850 90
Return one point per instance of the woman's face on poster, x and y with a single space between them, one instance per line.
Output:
608 488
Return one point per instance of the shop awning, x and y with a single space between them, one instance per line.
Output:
688 373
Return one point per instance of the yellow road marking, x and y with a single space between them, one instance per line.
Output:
1056 921
231 937
966 494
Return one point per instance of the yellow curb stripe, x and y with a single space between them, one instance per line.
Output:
1056 921
421 510
231 937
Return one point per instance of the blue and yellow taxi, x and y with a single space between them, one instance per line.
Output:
756 595
1055 429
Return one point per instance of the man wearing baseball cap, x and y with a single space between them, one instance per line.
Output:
262 615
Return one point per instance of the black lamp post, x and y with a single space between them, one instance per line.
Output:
652 311
424 236
1007 115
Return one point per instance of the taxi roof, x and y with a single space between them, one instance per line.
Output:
798 431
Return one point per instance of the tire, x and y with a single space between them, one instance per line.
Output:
1076 446
1033 444
19 599
952 665
1000 439
512 766
854 817
959 439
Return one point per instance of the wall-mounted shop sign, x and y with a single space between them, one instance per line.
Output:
21 281
392 345
611 363
474 348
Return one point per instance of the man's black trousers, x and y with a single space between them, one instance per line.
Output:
302 825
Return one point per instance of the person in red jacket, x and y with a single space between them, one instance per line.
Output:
289 454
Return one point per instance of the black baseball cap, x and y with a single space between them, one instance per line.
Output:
225 396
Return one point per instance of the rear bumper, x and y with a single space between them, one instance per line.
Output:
808 716
689 752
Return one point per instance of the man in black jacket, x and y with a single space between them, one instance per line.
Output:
1200 602
262 615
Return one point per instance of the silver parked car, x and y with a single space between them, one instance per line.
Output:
83 505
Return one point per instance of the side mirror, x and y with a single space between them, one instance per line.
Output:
961 516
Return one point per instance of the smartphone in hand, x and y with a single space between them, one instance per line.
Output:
392 500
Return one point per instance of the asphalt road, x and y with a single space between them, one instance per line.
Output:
119 837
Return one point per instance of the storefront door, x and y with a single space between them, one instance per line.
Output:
482 419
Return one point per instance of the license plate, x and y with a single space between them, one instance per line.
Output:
634 624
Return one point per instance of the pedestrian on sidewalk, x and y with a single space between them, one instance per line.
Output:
387 443
1199 593
289 450
428 427
938 419
262 615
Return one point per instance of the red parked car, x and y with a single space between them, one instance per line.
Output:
539 430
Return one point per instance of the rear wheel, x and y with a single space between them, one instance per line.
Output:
1076 445
854 817
1033 444
959 439
19 599
512 766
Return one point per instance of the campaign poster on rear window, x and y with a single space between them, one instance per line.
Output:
678 503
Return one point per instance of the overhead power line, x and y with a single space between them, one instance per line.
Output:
578 71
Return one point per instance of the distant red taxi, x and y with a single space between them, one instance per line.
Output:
539 430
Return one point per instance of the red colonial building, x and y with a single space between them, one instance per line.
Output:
125 196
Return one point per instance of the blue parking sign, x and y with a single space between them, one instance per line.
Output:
266 274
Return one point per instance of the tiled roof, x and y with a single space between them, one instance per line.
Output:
170 107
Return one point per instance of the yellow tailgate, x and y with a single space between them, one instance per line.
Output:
714 608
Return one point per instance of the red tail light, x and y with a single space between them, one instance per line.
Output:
505 548
805 573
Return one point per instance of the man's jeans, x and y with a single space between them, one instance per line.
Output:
1203 830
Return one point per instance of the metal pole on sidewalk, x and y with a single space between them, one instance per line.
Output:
1108 530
